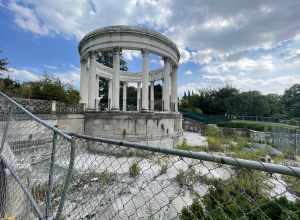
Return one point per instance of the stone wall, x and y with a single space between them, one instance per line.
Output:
33 105
37 106
148 127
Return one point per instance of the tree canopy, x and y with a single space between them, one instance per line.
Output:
106 58
48 88
231 101
3 64
291 100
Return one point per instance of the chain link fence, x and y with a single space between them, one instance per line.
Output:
28 151
48 174
122 180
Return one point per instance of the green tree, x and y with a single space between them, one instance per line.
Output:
3 64
51 88
72 96
106 58
291 100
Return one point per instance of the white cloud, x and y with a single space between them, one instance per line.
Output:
229 41
131 54
184 55
219 23
21 75
71 76
27 19
188 72
247 83
50 67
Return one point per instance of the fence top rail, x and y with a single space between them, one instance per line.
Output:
250 164
37 119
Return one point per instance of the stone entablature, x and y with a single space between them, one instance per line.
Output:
118 38
128 37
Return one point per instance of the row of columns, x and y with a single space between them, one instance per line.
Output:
89 85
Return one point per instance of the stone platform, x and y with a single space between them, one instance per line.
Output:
155 128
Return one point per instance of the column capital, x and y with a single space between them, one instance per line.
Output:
166 59
117 50
145 53
93 54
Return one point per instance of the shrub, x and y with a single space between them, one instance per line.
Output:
212 131
163 169
293 183
134 170
239 198
194 212
183 145
105 178
214 144
186 178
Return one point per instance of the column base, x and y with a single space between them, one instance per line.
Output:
144 110
115 109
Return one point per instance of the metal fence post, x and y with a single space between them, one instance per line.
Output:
3 185
5 129
296 143
48 211
67 180
26 191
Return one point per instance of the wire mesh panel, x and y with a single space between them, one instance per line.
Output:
29 147
113 181
47 174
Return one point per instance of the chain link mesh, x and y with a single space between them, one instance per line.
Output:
118 180
26 149
111 181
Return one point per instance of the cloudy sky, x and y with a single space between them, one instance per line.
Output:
251 45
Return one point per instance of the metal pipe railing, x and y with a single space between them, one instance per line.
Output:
250 164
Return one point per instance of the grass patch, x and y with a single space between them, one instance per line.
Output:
185 146
256 125
134 169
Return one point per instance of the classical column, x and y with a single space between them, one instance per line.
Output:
166 84
97 98
174 89
124 96
152 96
109 94
92 81
138 97
84 80
116 80
145 81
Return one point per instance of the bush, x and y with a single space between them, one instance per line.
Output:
194 212
105 178
213 131
163 168
187 178
239 198
134 170
214 144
